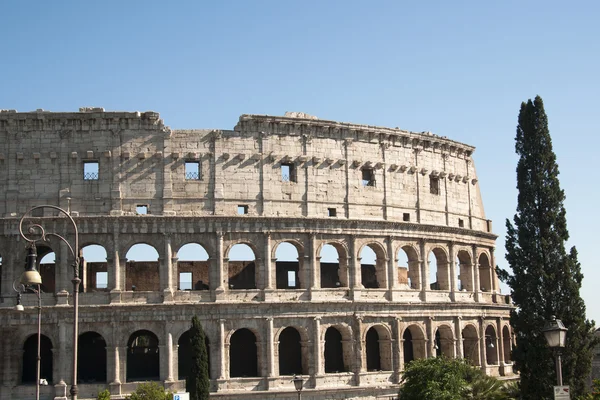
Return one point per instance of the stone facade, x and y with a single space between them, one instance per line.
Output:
348 328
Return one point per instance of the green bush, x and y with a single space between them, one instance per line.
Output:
150 391
103 395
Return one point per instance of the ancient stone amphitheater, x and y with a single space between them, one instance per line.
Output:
388 255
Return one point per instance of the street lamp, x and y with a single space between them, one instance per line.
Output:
298 383
37 233
556 333
31 280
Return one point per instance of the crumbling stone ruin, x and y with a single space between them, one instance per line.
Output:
390 256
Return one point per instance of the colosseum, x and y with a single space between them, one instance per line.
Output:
334 251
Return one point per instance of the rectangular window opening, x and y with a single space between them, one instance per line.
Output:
192 170
101 280
461 223
332 212
368 177
288 172
90 170
434 185
291 279
141 209
406 217
242 209
185 281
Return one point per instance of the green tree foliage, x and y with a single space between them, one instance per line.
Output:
150 391
197 382
546 279
103 395
443 378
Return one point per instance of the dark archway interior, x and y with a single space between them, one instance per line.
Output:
334 351
407 346
184 355
242 275
438 344
142 357
243 360
283 269
369 276
290 352
91 358
373 354
330 275
30 359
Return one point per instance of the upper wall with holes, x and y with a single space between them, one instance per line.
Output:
94 162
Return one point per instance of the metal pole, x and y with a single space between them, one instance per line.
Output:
558 369
39 341
299 396
76 281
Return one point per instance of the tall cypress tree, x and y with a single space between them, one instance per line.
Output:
197 382
546 279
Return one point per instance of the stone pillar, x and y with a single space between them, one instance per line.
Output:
270 348
482 349
166 275
63 358
424 270
318 348
501 360
430 338
398 356
452 271
459 339
223 371
358 349
114 370
314 263
494 279
392 268
169 356
218 281
269 267
477 281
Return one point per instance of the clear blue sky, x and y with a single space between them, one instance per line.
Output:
459 69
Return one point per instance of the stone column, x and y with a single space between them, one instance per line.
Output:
494 279
218 282
398 356
169 356
123 274
476 280
452 271
430 338
482 349
358 348
424 270
269 269
392 268
270 348
501 360
354 272
318 347
459 339
114 372
223 372
314 262
166 275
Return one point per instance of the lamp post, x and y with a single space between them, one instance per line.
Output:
31 280
556 333
298 383
36 233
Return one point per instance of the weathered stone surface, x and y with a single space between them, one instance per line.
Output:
294 179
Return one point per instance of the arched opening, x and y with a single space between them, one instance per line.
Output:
444 342
373 350
413 345
439 278
242 267
409 273
470 344
30 359
142 269
334 351
485 273
372 267
243 354
192 267
334 266
47 267
287 266
290 352
184 355
506 344
464 270
491 343
91 358
142 357
94 268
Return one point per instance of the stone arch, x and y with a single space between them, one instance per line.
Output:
91 364
184 354
337 352
46 265
29 371
242 273
491 345
333 275
439 276
193 266
413 343
464 267
485 273
507 344
142 269
409 270
146 239
243 354
289 273
142 357
94 267
444 341
378 348
290 357
470 344
373 276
